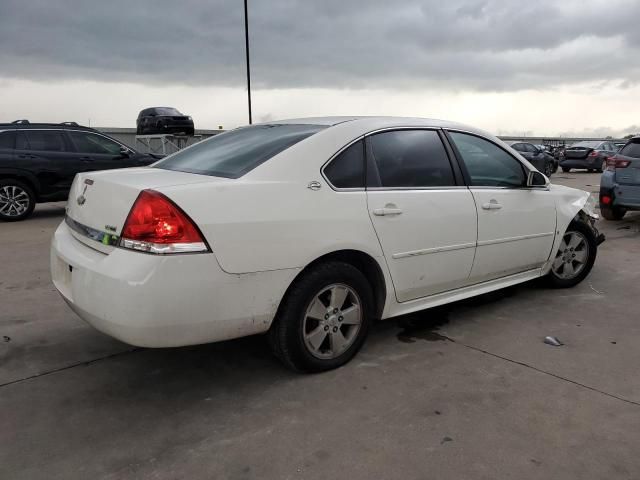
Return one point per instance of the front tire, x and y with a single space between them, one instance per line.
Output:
575 256
324 318
566 169
17 200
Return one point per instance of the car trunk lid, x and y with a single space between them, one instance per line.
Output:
577 152
99 202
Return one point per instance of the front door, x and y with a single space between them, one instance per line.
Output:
98 152
516 224
425 220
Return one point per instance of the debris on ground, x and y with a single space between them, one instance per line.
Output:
553 341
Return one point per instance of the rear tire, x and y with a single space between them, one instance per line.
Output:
548 169
612 213
317 315
575 256
17 200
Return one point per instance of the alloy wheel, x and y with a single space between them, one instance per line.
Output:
332 321
14 201
572 256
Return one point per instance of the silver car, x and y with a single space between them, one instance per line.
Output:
620 182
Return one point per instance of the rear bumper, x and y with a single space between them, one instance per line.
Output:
163 301
588 163
622 196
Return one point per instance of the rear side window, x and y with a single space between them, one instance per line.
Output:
631 150
45 140
487 164
7 140
409 158
347 169
235 153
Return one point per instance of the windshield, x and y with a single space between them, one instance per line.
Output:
586 145
235 153
166 111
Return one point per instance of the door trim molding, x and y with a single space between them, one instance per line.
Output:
482 243
426 251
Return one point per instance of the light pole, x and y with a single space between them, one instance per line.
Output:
246 49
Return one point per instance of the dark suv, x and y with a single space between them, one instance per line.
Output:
159 120
39 160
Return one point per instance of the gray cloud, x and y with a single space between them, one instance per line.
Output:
498 45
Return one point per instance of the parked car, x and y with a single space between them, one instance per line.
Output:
538 157
160 120
620 183
310 230
38 162
591 155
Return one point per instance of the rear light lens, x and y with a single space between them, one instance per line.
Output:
593 153
615 162
157 225
605 199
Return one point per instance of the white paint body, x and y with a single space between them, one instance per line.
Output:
265 227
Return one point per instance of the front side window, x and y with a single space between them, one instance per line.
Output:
519 147
7 140
347 169
409 158
86 142
233 154
487 164
45 140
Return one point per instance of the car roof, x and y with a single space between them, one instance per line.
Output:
379 122
25 125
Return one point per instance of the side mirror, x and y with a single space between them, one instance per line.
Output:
536 179
124 151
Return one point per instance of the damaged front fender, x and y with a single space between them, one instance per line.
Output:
571 204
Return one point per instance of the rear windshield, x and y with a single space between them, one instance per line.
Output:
631 150
235 153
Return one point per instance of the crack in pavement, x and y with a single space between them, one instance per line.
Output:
539 370
73 365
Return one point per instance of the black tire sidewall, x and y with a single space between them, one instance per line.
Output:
290 317
585 230
32 200
612 213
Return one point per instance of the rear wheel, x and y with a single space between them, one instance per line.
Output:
612 213
17 200
575 256
324 318
548 169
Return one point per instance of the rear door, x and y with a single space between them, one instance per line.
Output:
47 154
424 217
516 224
7 147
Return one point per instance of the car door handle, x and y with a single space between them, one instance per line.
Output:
491 205
387 210
86 159
27 156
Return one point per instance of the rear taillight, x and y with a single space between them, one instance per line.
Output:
593 153
615 162
157 225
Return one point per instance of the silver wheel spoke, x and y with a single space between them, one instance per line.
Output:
338 296
568 270
316 337
581 256
351 315
337 342
575 240
317 310
557 262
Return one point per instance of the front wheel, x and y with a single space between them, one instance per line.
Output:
575 256
17 200
324 318
566 169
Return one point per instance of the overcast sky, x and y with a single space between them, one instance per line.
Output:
542 67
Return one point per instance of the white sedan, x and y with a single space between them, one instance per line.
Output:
311 229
